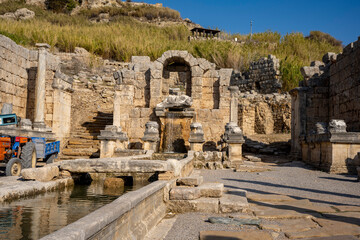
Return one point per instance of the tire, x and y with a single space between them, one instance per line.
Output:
14 167
51 158
28 155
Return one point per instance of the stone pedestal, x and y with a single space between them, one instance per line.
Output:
39 119
196 139
151 136
110 139
234 139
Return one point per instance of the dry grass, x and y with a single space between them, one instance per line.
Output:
124 37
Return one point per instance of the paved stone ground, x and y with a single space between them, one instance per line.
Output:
291 200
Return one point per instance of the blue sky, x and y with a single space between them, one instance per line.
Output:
341 19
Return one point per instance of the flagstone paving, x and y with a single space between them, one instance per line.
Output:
292 201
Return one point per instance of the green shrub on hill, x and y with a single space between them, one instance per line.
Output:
124 37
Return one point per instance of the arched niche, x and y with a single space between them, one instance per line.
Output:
176 74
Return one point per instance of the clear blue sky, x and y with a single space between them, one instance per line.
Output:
340 18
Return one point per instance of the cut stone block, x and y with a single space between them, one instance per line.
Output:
290 225
190 181
253 158
234 201
184 193
114 183
212 190
328 228
268 197
244 234
207 205
43 174
342 237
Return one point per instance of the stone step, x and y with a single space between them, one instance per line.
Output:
82 146
184 193
206 205
190 181
234 201
79 152
89 137
73 157
82 142
211 190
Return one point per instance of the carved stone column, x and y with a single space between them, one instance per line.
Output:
233 136
196 139
234 104
151 136
39 119
112 137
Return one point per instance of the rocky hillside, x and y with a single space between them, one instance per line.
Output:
117 30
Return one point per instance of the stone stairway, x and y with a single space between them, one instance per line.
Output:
192 195
83 142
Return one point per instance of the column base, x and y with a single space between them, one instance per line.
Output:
41 127
111 139
196 146
149 145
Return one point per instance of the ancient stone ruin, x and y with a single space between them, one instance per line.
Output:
325 112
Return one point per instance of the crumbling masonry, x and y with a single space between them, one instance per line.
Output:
325 128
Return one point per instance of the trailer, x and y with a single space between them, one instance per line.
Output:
19 152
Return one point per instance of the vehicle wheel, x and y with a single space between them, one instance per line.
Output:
13 167
51 158
28 155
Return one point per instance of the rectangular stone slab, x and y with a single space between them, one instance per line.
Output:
190 181
244 234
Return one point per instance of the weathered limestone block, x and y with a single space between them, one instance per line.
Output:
184 193
337 126
151 136
43 174
264 119
190 181
212 190
174 101
114 165
208 205
329 57
140 59
321 128
197 71
234 201
114 183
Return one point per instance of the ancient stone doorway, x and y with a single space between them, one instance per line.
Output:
176 77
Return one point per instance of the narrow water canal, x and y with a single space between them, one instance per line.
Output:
38 216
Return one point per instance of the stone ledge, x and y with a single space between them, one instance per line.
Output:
94 222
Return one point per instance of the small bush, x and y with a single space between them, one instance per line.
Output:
320 36
61 6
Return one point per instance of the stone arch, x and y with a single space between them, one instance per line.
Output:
176 69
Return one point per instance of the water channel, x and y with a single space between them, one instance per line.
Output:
38 216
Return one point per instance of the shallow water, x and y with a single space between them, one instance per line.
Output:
38 216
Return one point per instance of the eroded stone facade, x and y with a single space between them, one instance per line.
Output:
330 91
18 78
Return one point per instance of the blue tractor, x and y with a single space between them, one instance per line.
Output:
24 152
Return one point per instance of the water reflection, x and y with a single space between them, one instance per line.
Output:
36 217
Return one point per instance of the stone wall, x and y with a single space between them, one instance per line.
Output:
144 84
329 92
18 76
264 113
15 63
263 76
131 216
344 89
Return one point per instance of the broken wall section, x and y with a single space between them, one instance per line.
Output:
264 113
